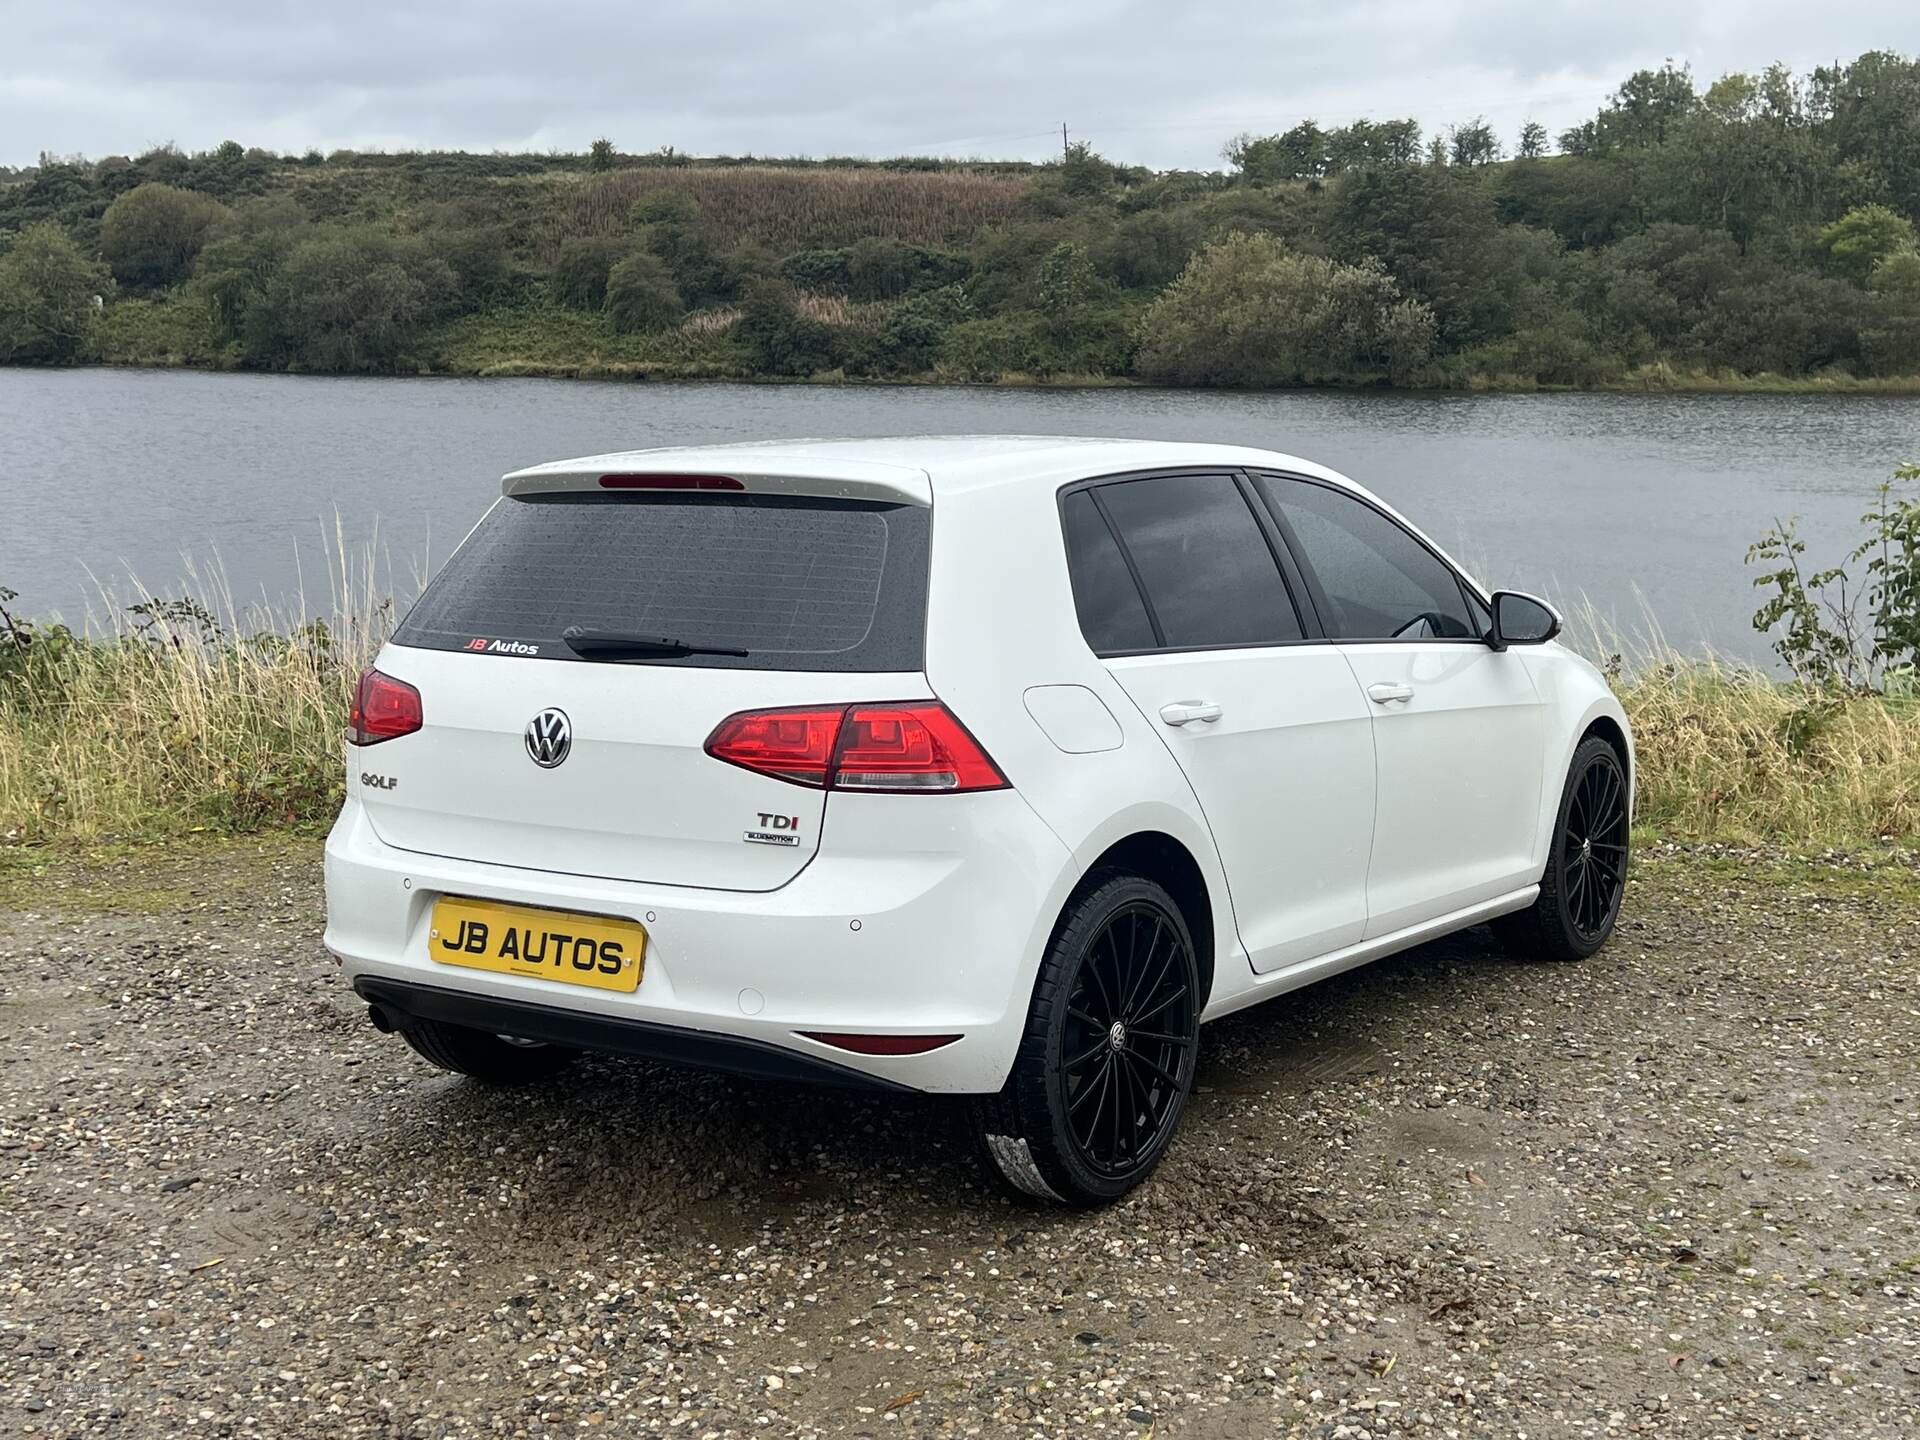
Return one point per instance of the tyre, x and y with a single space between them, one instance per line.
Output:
1106 1062
494 1059
1586 870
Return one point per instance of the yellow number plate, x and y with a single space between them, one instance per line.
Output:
543 944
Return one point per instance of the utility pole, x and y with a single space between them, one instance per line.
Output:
1063 142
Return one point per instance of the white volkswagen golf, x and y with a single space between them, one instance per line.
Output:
992 766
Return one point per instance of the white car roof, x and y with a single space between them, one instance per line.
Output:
920 465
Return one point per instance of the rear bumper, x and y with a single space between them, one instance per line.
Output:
921 915
403 1001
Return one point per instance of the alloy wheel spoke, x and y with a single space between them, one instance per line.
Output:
1181 1041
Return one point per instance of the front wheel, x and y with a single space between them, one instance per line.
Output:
1586 871
1107 1060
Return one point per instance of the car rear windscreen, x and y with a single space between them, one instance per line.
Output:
798 583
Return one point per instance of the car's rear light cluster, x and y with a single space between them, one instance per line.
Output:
383 708
914 746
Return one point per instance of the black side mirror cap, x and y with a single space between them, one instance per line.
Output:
1521 619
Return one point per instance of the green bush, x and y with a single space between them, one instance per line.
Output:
580 271
641 296
779 339
47 290
1890 335
348 300
1247 312
1860 239
151 235
816 270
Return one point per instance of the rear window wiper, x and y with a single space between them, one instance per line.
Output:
614 645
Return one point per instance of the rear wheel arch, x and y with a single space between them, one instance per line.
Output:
1157 856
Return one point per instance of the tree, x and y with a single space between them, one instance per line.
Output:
151 235
352 299
1370 142
1859 240
778 338
1247 312
1083 172
1890 335
47 292
1299 154
1870 120
640 294
1473 143
1533 140
1064 280
600 156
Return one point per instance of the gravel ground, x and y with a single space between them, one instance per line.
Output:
1670 1191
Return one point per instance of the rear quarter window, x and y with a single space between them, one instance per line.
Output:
798 583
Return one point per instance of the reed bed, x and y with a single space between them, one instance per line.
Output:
791 210
159 725
173 715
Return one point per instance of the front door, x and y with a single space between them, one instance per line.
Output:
1458 729
1181 589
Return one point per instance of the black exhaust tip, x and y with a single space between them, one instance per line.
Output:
382 1019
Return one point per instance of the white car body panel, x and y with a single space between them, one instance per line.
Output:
1325 829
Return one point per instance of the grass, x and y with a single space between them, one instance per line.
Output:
163 727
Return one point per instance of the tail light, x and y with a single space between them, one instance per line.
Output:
383 708
915 746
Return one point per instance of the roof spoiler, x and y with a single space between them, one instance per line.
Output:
708 471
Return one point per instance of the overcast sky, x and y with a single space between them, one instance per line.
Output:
1161 84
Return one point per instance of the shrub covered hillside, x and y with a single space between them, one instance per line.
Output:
1758 231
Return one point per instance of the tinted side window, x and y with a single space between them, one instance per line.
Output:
1205 564
1379 581
1113 617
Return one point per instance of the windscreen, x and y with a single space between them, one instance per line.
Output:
796 582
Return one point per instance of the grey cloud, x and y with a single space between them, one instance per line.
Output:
1159 84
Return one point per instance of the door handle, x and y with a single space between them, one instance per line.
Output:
1387 694
1183 712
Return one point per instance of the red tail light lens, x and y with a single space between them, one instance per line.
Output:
794 745
915 746
910 747
383 708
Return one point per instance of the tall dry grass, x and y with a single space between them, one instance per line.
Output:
1724 753
791 210
159 730
185 717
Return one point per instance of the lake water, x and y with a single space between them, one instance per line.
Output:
1632 502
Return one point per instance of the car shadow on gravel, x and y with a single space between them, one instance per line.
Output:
618 1142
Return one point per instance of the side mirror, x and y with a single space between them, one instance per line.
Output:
1521 619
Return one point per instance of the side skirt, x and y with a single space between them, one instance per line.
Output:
1295 977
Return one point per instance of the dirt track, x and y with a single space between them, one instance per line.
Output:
1675 1190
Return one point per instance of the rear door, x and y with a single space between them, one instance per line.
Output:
1181 589
1459 730
826 597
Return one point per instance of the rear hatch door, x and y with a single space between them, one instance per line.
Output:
536 755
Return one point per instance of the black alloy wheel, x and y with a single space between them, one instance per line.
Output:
1106 1063
1129 1034
1586 875
1593 849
